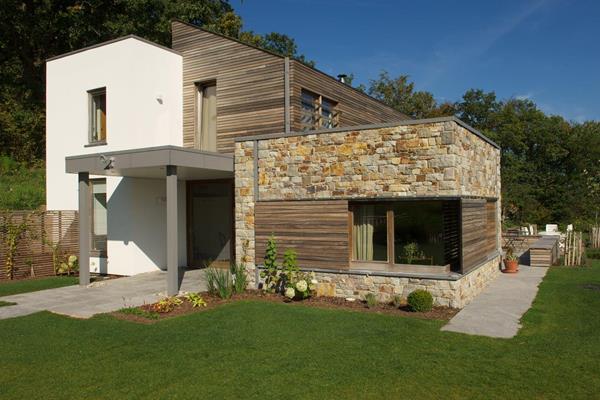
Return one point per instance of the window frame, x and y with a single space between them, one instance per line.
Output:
317 117
199 88
93 237
390 265
92 119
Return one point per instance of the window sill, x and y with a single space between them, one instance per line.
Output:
94 144
98 253
400 268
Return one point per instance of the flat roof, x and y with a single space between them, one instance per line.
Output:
371 126
151 162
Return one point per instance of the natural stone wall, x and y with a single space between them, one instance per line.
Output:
426 160
432 159
448 293
244 207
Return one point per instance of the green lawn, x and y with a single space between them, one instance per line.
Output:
33 285
268 350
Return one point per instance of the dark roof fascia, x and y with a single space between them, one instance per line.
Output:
141 39
351 87
371 126
227 37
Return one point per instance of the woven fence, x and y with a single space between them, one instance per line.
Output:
32 243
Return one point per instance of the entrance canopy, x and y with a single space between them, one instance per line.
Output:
171 163
151 162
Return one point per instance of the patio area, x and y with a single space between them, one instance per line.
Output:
100 297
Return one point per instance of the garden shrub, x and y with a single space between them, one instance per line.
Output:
219 282
195 300
166 305
240 279
371 300
420 301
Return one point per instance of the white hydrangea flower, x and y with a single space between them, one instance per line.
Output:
290 292
302 285
314 281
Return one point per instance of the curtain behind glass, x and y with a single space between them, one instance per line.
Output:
208 120
362 233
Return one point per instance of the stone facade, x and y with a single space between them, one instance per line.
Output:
430 159
448 293
435 159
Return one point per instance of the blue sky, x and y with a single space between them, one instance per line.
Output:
545 50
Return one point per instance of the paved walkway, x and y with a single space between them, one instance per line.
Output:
101 297
497 311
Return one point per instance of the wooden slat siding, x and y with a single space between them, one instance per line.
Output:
250 85
544 252
355 108
451 234
490 227
62 226
474 249
317 230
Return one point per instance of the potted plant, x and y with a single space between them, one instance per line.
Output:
511 261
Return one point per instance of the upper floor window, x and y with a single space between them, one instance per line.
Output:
206 116
97 115
317 112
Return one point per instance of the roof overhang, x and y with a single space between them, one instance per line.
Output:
151 162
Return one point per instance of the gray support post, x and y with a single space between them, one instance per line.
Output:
172 246
84 228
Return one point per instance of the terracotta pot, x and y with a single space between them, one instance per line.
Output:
511 266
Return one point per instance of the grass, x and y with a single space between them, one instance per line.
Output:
6 303
8 288
22 186
272 350
139 312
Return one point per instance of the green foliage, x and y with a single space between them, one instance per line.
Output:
139 312
420 301
12 233
6 303
219 282
410 251
195 300
371 300
22 186
69 266
290 262
166 305
399 93
240 278
271 272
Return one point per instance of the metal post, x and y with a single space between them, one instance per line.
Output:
172 246
84 228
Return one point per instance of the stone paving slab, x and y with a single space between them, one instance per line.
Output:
497 311
101 297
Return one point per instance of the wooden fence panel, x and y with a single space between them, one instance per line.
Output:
34 251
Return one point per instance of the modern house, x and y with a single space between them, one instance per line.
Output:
194 155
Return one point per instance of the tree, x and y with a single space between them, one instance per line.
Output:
399 93
478 108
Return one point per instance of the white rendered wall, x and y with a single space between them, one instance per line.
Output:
144 109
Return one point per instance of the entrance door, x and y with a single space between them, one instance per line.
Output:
210 223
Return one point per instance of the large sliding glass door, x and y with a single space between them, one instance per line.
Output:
210 223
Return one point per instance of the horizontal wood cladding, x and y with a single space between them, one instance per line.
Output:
355 108
317 230
250 85
478 232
